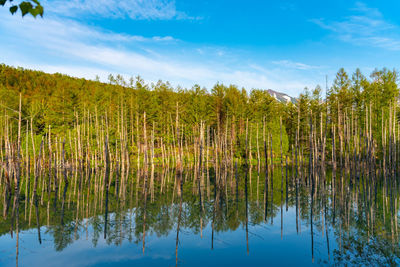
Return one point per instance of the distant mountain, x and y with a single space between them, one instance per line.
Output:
281 97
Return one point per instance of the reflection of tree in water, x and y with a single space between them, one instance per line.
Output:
63 235
375 251
360 225
97 225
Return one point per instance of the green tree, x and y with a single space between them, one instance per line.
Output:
32 7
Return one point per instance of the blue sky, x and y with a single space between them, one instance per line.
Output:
282 45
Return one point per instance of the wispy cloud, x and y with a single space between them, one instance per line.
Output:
66 46
287 6
44 30
367 26
133 9
363 8
294 65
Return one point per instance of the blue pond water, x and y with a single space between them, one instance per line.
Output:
204 222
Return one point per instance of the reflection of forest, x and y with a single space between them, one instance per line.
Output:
359 215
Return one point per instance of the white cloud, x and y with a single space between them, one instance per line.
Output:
133 9
69 47
367 27
286 80
294 65
67 29
363 8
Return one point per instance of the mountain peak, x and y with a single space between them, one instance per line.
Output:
281 97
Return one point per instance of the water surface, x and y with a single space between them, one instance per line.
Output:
204 219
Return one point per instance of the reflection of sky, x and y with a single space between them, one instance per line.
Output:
265 245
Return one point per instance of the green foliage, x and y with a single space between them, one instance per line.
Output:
62 102
32 7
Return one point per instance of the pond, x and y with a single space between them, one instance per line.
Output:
217 217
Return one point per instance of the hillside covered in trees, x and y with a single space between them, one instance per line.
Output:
62 102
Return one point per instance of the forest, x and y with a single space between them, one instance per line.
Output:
59 103
56 121
127 170
113 143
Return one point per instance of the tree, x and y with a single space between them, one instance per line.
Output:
32 7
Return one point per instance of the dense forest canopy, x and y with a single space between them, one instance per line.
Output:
57 100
